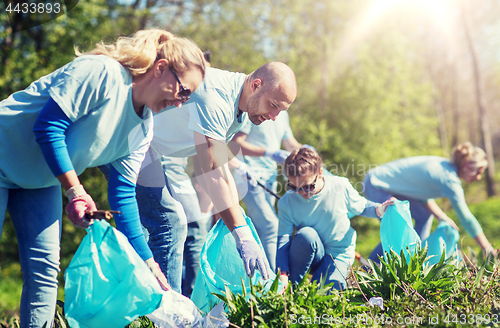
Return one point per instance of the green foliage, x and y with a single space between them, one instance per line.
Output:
371 115
395 276
269 308
27 55
10 288
141 322
442 291
232 30
415 292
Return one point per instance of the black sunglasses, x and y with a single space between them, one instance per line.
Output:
184 93
306 188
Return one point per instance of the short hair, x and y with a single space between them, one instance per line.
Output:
271 74
302 161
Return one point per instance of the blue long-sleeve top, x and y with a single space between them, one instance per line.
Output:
49 129
423 178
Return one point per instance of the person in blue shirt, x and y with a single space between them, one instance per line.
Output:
319 207
95 110
203 126
260 145
421 179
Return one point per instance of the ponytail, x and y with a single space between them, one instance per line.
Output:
139 52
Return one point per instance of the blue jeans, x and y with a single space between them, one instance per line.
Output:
422 217
260 208
308 253
36 215
166 224
196 234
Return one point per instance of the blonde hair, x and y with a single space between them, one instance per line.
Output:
139 52
465 153
301 162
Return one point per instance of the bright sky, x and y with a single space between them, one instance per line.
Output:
438 13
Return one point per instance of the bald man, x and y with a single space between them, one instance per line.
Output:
203 126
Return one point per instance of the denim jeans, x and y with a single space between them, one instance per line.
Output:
307 252
36 215
196 234
422 217
166 224
260 208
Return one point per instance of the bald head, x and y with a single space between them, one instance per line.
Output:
277 76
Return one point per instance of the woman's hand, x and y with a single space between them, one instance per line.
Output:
491 250
446 219
155 269
380 210
79 202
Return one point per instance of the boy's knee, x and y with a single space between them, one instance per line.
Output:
307 234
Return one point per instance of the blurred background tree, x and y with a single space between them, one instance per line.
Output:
378 79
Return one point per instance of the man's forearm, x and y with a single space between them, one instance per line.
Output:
222 191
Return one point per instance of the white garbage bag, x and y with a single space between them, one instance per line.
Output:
178 311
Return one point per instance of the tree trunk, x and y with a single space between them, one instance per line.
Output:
454 106
483 115
443 135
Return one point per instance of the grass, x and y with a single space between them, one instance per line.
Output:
10 289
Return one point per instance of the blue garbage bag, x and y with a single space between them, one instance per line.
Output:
444 238
107 283
221 266
396 229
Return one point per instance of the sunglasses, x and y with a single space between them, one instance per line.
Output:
184 92
306 188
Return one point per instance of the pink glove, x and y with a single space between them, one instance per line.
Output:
155 269
79 202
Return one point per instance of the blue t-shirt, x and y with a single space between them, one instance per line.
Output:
95 92
212 111
423 178
327 212
269 135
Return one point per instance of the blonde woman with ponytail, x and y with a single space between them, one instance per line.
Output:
96 110
421 179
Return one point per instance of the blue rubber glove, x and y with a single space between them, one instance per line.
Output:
250 252
279 156
309 147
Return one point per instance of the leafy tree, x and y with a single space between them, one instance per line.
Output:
29 54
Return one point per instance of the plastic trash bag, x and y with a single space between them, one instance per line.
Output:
445 237
375 301
221 265
396 229
178 311
107 283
